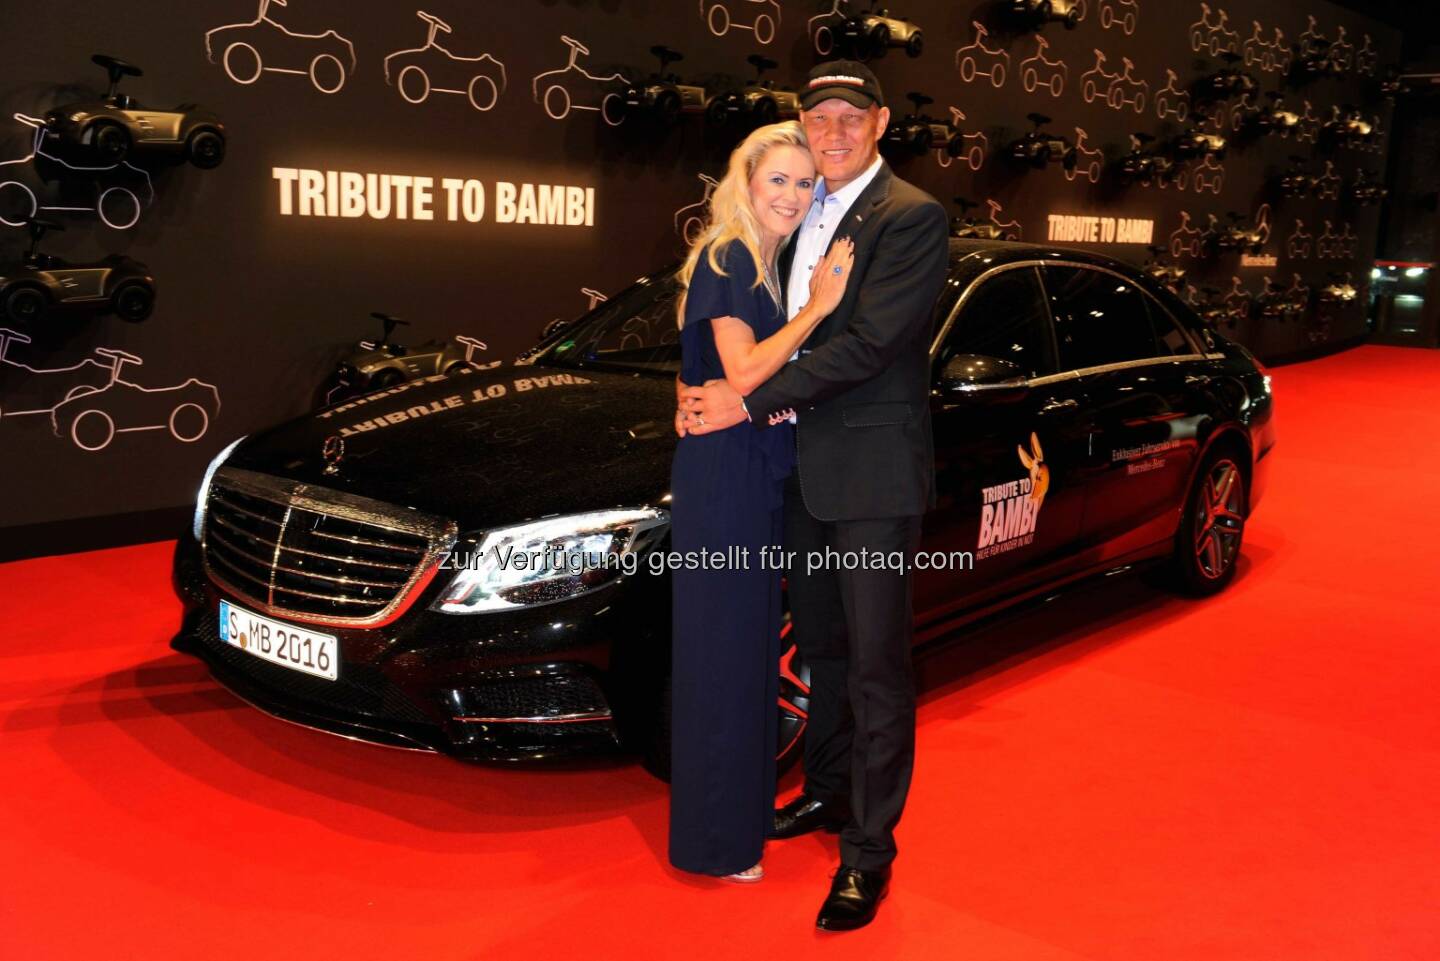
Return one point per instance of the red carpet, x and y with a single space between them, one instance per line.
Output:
1124 775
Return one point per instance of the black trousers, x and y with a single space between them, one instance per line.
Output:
853 627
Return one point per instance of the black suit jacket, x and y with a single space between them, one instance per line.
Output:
861 385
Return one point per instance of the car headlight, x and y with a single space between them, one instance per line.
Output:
204 496
550 560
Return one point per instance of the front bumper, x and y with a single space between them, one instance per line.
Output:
498 687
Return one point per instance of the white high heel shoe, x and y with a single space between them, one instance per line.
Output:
748 876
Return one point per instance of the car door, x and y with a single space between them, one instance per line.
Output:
1006 454
1144 376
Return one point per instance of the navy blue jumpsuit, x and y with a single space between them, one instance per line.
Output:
727 492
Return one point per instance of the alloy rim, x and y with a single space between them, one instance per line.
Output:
1219 521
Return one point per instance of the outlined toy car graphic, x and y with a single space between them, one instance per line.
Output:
121 190
1347 127
90 403
970 58
972 144
868 35
1170 100
1126 91
1228 81
1040 71
690 219
1326 186
1340 290
1299 243
1329 244
1034 14
118 128
247 50
1365 189
965 226
824 27
1308 128
1295 181
377 364
1284 52
418 72
666 97
1126 13
41 283
592 92
1259 52
1185 239
1085 161
1037 148
1095 83
760 17
1342 51
1214 37
1210 175
1010 229
1366 58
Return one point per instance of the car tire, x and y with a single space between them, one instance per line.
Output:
17 203
98 436
764 29
206 149
110 141
417 89
878 40
324 62
1212 526
482 92
389 377
242 63
667 108
1030 80
188 422
24 305
766 111
133 301
915 46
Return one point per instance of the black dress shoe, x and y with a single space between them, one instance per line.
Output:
854 897
806 814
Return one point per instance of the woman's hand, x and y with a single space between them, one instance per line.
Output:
828 280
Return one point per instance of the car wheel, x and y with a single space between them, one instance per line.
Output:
206 149
667 108
766 111
691 230
389 377
188 422
25 305
824 41
718 19
17 204
92 430
1030 80
1107 17
118 208
1212 527
878 40
1057 85
133 301
764 29
111 142
968 69
612 109
557 102
1090 91
242 63
413 84
997 76
327 73
915 45
1140 102
482 92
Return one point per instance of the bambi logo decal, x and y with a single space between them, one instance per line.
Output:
1038 71
561 93
763 16
417 71
333 450
1122 13
977 60
117 202
973 143
690 219
247 50
1009 512
89 403
1086 229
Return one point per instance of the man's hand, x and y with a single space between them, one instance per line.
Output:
715 406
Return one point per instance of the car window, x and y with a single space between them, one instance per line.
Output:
1172 341
1004 317
1099 318
634 331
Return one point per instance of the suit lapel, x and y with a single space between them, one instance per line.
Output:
856 217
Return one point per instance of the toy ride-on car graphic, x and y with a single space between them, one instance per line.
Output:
1034 14
1274 119
1145 164
1158 266
665 97
1236 236
966 227
917 133
1296 181
1040 147
31 288
420 71
92 416
1340 290
868 35
374 365
118 128
116 193
1225 83
758 103
1347 127
1366 189
246 50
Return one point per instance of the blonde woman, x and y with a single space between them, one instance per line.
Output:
727 491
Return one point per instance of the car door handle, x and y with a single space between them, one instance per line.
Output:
1052 405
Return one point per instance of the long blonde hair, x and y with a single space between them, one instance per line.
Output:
732 217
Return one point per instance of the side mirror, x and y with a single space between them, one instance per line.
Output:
980 376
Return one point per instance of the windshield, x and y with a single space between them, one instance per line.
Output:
635 331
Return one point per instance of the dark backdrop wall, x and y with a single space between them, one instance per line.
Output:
257 299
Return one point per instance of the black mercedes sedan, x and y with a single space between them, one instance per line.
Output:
399 568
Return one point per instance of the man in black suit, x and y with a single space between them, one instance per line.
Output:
864 477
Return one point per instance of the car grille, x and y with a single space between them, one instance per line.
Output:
308 553
556 697
361 690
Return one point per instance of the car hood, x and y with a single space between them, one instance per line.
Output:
486 448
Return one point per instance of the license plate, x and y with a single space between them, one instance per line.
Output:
279 643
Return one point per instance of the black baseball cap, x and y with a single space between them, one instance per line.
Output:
848 80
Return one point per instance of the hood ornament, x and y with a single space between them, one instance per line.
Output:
333 450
